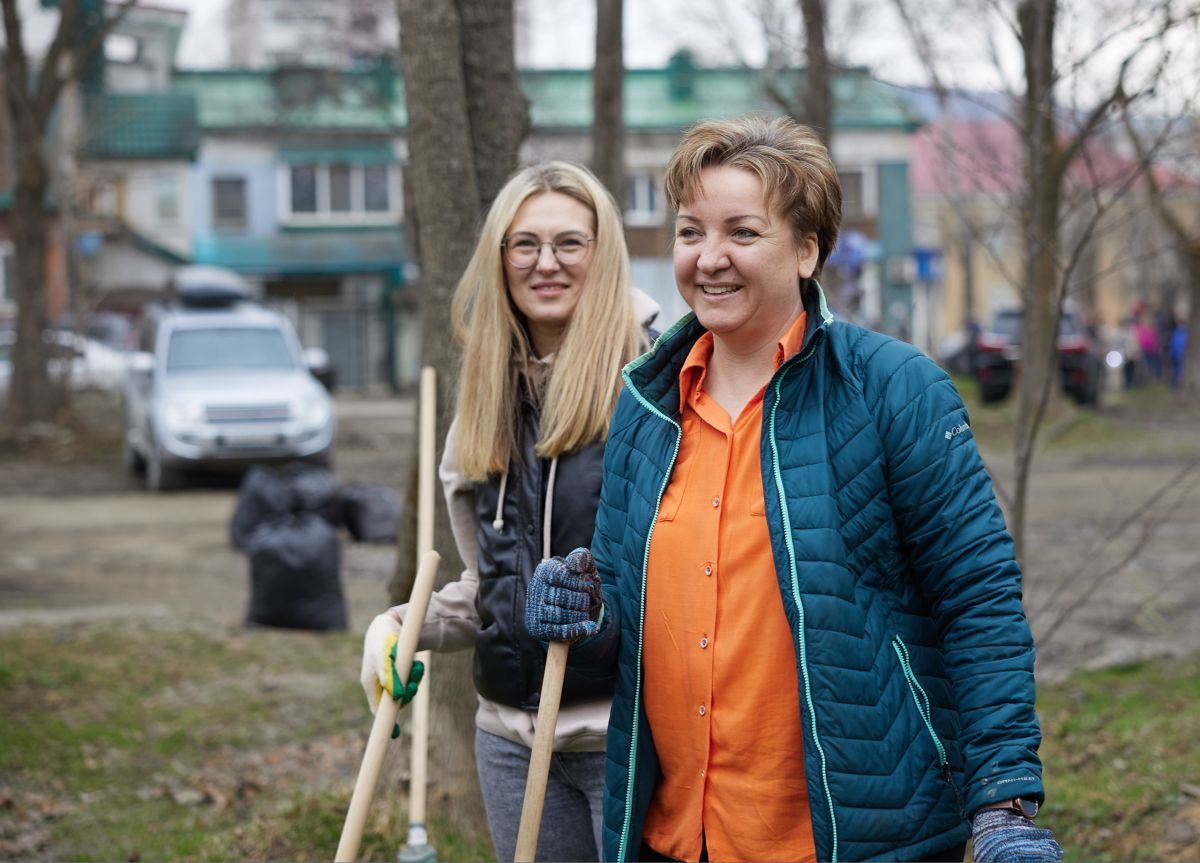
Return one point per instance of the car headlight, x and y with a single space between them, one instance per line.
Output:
312 410
183 413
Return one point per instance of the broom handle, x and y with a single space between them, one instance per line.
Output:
543 749
385 714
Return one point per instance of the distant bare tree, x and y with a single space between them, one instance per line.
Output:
30 100
608 102
1185 241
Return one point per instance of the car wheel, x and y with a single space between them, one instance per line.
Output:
158 476
132 459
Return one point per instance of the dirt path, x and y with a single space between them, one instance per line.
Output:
81 541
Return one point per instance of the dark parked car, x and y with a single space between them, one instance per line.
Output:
998 351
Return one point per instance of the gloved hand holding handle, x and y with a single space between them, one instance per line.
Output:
564 599
1003 836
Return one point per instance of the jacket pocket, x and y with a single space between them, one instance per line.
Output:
921 700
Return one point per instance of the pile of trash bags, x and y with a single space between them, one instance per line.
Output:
287 522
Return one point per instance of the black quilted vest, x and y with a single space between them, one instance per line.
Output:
508 662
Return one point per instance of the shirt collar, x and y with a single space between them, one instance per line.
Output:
695 366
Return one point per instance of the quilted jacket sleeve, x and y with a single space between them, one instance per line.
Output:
962 557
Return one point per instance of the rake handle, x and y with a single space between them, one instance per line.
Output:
543 749
385 714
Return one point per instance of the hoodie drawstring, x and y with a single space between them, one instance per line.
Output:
498 521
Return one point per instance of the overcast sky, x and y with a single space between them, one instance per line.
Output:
560 33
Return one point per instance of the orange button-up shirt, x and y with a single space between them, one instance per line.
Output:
718 657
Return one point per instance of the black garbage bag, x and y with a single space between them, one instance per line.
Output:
315 490
371 511
294 575
264 497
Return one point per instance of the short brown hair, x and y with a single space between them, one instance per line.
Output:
790 160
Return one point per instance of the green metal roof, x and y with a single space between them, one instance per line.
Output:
352 153
296 99
145 126
328 252
666 99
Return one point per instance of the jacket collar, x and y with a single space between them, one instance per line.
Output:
654 376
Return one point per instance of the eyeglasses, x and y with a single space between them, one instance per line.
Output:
523 250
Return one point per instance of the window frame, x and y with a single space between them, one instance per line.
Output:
228 224
640 185
324 216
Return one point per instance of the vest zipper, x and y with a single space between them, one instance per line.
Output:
795 580
637 691
925 711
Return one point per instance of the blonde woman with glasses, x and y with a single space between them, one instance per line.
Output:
546 317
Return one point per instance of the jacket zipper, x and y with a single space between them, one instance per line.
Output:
795 580
637 691
921 699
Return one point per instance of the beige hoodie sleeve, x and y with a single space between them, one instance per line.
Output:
452 621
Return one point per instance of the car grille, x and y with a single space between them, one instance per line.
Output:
247 413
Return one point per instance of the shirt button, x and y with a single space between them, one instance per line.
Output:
704 642
701 709
708 569
716 502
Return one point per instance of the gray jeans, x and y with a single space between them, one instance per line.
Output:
572 814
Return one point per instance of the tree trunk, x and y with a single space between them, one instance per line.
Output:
497 108
608 100
466 120
1191 358
1041 300
817 97
31 397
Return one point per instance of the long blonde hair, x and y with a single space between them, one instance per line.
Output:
603 334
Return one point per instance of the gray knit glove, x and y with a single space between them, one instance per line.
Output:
564 599
1003 836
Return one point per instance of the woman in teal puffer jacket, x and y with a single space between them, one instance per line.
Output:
905 636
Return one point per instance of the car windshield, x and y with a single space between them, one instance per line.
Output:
234 348
1007 324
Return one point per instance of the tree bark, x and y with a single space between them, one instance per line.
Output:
817 97
497 108
29 385
1040 294
467 118
608 100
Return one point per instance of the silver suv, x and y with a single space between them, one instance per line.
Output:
220 381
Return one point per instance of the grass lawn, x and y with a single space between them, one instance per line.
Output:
134 743
1122 773
128 744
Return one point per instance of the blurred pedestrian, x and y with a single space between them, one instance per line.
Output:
547 318
1178 349
1147 341
801 577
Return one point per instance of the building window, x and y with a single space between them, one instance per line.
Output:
166 201
304 188
339 193
644 203
852 194
103 199
229 203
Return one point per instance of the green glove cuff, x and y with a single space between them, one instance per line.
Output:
405 692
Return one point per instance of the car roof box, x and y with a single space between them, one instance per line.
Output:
208 287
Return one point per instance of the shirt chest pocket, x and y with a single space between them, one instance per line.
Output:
677 485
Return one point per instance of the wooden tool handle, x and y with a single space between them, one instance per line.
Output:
543 749
385 714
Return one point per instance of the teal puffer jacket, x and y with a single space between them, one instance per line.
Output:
913 655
